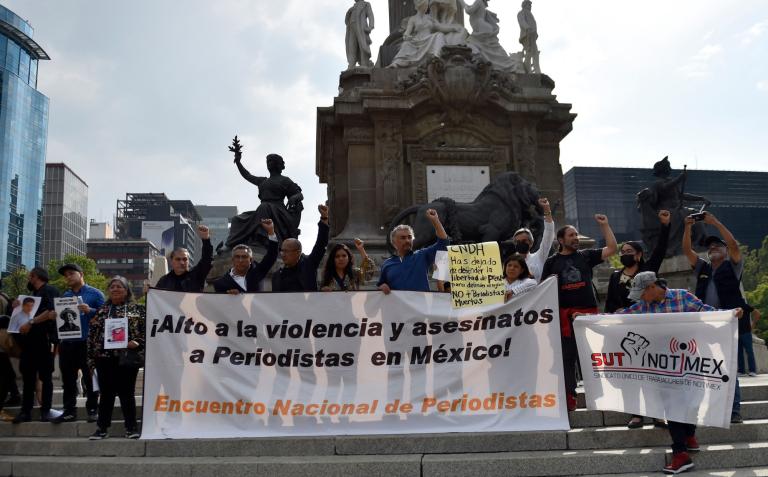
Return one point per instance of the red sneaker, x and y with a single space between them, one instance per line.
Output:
570 399
692 444
681 462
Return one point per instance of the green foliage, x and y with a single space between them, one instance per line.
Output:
615 262
755 266
15 283
91 275
758 298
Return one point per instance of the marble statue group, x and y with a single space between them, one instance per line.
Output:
435 26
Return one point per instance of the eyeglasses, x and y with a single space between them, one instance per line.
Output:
282 250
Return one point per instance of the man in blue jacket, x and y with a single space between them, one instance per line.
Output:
73 351
409 270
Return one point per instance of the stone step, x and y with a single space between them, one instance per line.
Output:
543 463
327 466
590 462
744 472
69 439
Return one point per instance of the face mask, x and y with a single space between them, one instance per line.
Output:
522 247
627 260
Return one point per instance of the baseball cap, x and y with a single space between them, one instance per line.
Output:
641 281
70 266
714 239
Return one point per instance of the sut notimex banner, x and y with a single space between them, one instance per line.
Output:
676 366
350 363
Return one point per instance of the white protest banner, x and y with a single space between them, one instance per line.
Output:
675 366
476 275
282 364
67 318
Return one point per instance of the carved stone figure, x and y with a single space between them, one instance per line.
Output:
506 204
444 11
273 190
425 36
484 39
528 36
460 81
360 22
668 193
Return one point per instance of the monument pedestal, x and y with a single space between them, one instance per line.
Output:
397 137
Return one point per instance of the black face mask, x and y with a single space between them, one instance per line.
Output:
628 260
522 247
30 287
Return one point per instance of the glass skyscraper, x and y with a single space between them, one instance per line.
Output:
23 134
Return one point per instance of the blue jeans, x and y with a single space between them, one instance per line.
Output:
745 344
737 399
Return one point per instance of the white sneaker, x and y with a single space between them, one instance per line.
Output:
752 374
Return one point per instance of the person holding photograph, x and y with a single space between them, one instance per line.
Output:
117 369
37 337
73 351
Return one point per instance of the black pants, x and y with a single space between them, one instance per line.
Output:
7 379
570 358
73 358
116 381
36 364
679 432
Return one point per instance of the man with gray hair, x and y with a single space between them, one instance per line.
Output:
245 274
408 270
652 296
183 278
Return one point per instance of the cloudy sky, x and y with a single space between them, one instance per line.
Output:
146 95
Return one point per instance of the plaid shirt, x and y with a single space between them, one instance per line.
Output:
675 301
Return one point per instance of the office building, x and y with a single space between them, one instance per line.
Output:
168 224
218 218
23 137
739 200
100 230
131 258
65 213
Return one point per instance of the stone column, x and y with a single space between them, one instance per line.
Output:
525 148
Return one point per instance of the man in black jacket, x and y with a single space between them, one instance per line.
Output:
299 271
246 275
37 338
718 278
181 277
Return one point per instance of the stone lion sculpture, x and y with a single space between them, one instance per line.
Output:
506 204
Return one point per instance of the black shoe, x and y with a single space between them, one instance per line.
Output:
93 416
45 416
22 417
66 417
736 418
132 434
99 435
13 401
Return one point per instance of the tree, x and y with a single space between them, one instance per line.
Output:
91 275
758 298
15 283
755 266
